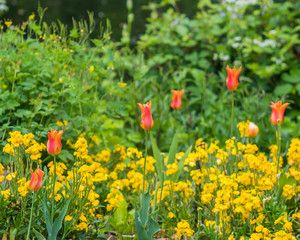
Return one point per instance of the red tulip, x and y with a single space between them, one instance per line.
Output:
54 142
176 99
232 79
278 112
36 180
252 129
147 121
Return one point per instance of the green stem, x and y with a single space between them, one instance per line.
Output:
278 148
144 173
31 212
53 189
232 114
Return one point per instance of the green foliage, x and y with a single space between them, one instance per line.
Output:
145 226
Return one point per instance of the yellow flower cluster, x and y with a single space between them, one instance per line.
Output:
294 152
183 229
114 198
17 141
81 147
171 169
243 127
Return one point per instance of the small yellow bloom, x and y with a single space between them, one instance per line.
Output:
91 69
68 218
171 215
8 23
31 17
122 84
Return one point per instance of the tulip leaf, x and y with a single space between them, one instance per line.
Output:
159 165
38 235
140 229
59 220
46 215
173 149
145 226
181 164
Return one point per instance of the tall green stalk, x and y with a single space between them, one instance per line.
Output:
31 212
232 114
278 148
144 173
53 189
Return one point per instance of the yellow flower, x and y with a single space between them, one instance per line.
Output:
183 229
5 193
11 176
8 23
171 169
171 215
68 218
1 169
122 85
31 17
288 191
91 69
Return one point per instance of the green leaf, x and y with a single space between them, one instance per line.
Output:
74 33
120 216
135 137
181 164
38 235
139 227
159 165
47 216
58 221
153 227
173 149
298 88
145 207
283 89
293 77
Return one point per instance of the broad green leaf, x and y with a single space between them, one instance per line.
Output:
38 235
59 220
181 164
153 227
145 206
173 149
140 228
159 165
47 216
120 215
283 89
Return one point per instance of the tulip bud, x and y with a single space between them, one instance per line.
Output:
147 121
252 129
54 142
36 180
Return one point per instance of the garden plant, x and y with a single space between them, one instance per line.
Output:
191 132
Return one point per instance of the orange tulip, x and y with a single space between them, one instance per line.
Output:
176 99
232 79
147 121
252 129
54 142
36 180
278 112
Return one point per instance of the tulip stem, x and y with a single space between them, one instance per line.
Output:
144 173
145 161
31 212
53 189
232 114
278 148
